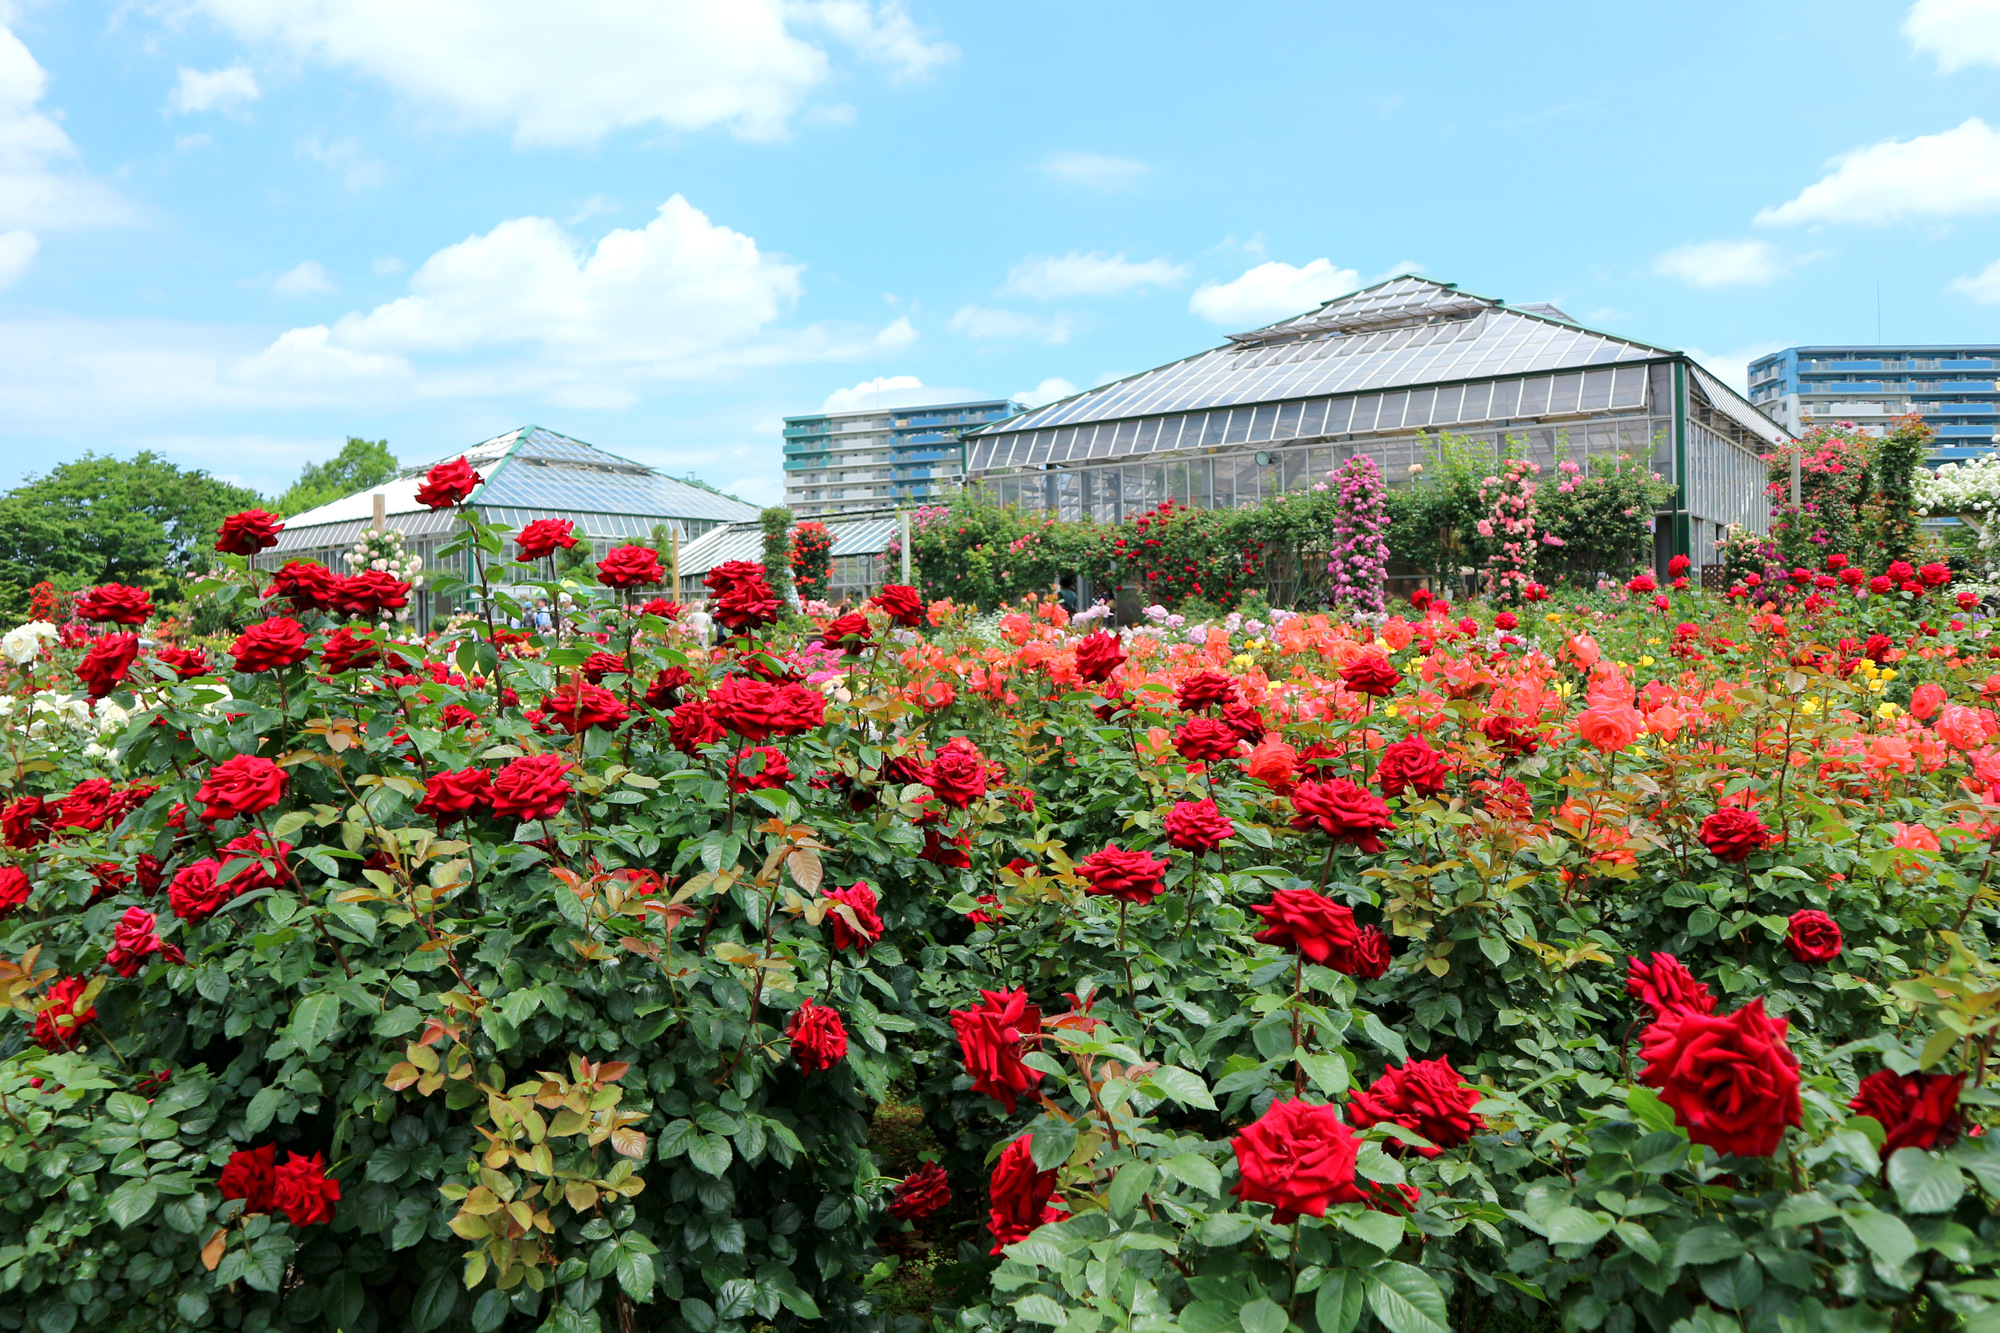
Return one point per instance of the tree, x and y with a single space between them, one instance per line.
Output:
359 465
99 519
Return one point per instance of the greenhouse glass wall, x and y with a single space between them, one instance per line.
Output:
1386 371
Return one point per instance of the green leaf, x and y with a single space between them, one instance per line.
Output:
1799 1210
1734 1286
314 1020
130 1202
635 1274
1639 1240
1886 1237
1406 1300
1194 1171
1707 1245
1040 1309
1925 1182
435 1298
1573 1226
1224 1229
1128 1187
1327 1072
413 1217
1262 1315
54 1316
1338 1304
1182 1086
1648 1110
1381 1230
489 1311
1380 1034
710 1153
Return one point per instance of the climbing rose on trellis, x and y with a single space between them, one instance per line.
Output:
1360 536
1510 498
812 560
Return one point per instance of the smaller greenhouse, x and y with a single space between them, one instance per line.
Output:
861 545
529 473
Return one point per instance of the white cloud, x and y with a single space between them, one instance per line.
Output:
1095 171
985 322
357 168
38 188
1958 32
225 90
1984 288
1271 292
17 251
308 279
1051 277
1048 391
386 265
894 391
1721 263
571 77
1942 175
1733 365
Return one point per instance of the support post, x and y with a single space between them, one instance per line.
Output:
903 515
674 559
381 509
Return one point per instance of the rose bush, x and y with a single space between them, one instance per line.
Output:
1440 975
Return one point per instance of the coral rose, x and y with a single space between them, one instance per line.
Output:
244 784
1733 834
990 1040
448 484
248 532
1098 655
1731 1080
1197 826
818 1037
1610 727
1129 876
1814 937
1298 1158
1914 1110
532 787
860 925
1274 763
1926 700
1021 1197
1425 1096
903 605
1343 811
1410 765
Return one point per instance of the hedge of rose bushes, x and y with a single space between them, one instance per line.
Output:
1581 965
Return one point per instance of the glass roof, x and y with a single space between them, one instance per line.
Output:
1407 331
853 534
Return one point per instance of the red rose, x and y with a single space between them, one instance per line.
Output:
532 787
543 536
25 821
950 852
1425 1096
1732 1081
1934 575
920 1193
1666 986
248 1176
819 1039
103 668
195 894
630 566
1410 765
1510 734
253 863
1021 1196
1371 675
577 708
776 771
301 1190
244 784
89 806
111 879
692 726
115 602
601 664
271 646
903 605
1368 957
747 606
1298 1158
1343 811
310 585
847 634
665 691
448 484
1309 923
452 796
1245 721
1205 689
344 650
186 663
1098 655
58 1022
369 593
990 1039
134 941
147 870
1814 937
1733 834
729 573
958 774
14 888
1197 826
1901 571
1914 1110
860 925
1128 876
758 710
662 608
454 716
248 532
1206 740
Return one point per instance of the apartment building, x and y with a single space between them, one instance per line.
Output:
1952 387
841 462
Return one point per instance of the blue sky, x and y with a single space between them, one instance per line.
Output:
237 231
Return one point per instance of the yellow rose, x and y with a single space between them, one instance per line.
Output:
1888 712
1646 660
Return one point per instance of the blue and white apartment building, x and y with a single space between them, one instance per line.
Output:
881 458
1953 387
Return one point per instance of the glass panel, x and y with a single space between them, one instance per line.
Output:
1596 391
1364 414
1288 422
1263 423
1417 407
1223 492
1295 462
1534 398
1506 400
1149 431
1239 426
1391 415
1445 408
1478 397
1563 393
1313 420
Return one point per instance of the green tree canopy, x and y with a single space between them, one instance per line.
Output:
359 465
99 519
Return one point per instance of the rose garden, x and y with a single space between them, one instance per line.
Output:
1581 950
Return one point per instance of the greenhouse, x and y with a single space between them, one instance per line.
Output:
1387 371
861 542
529 473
